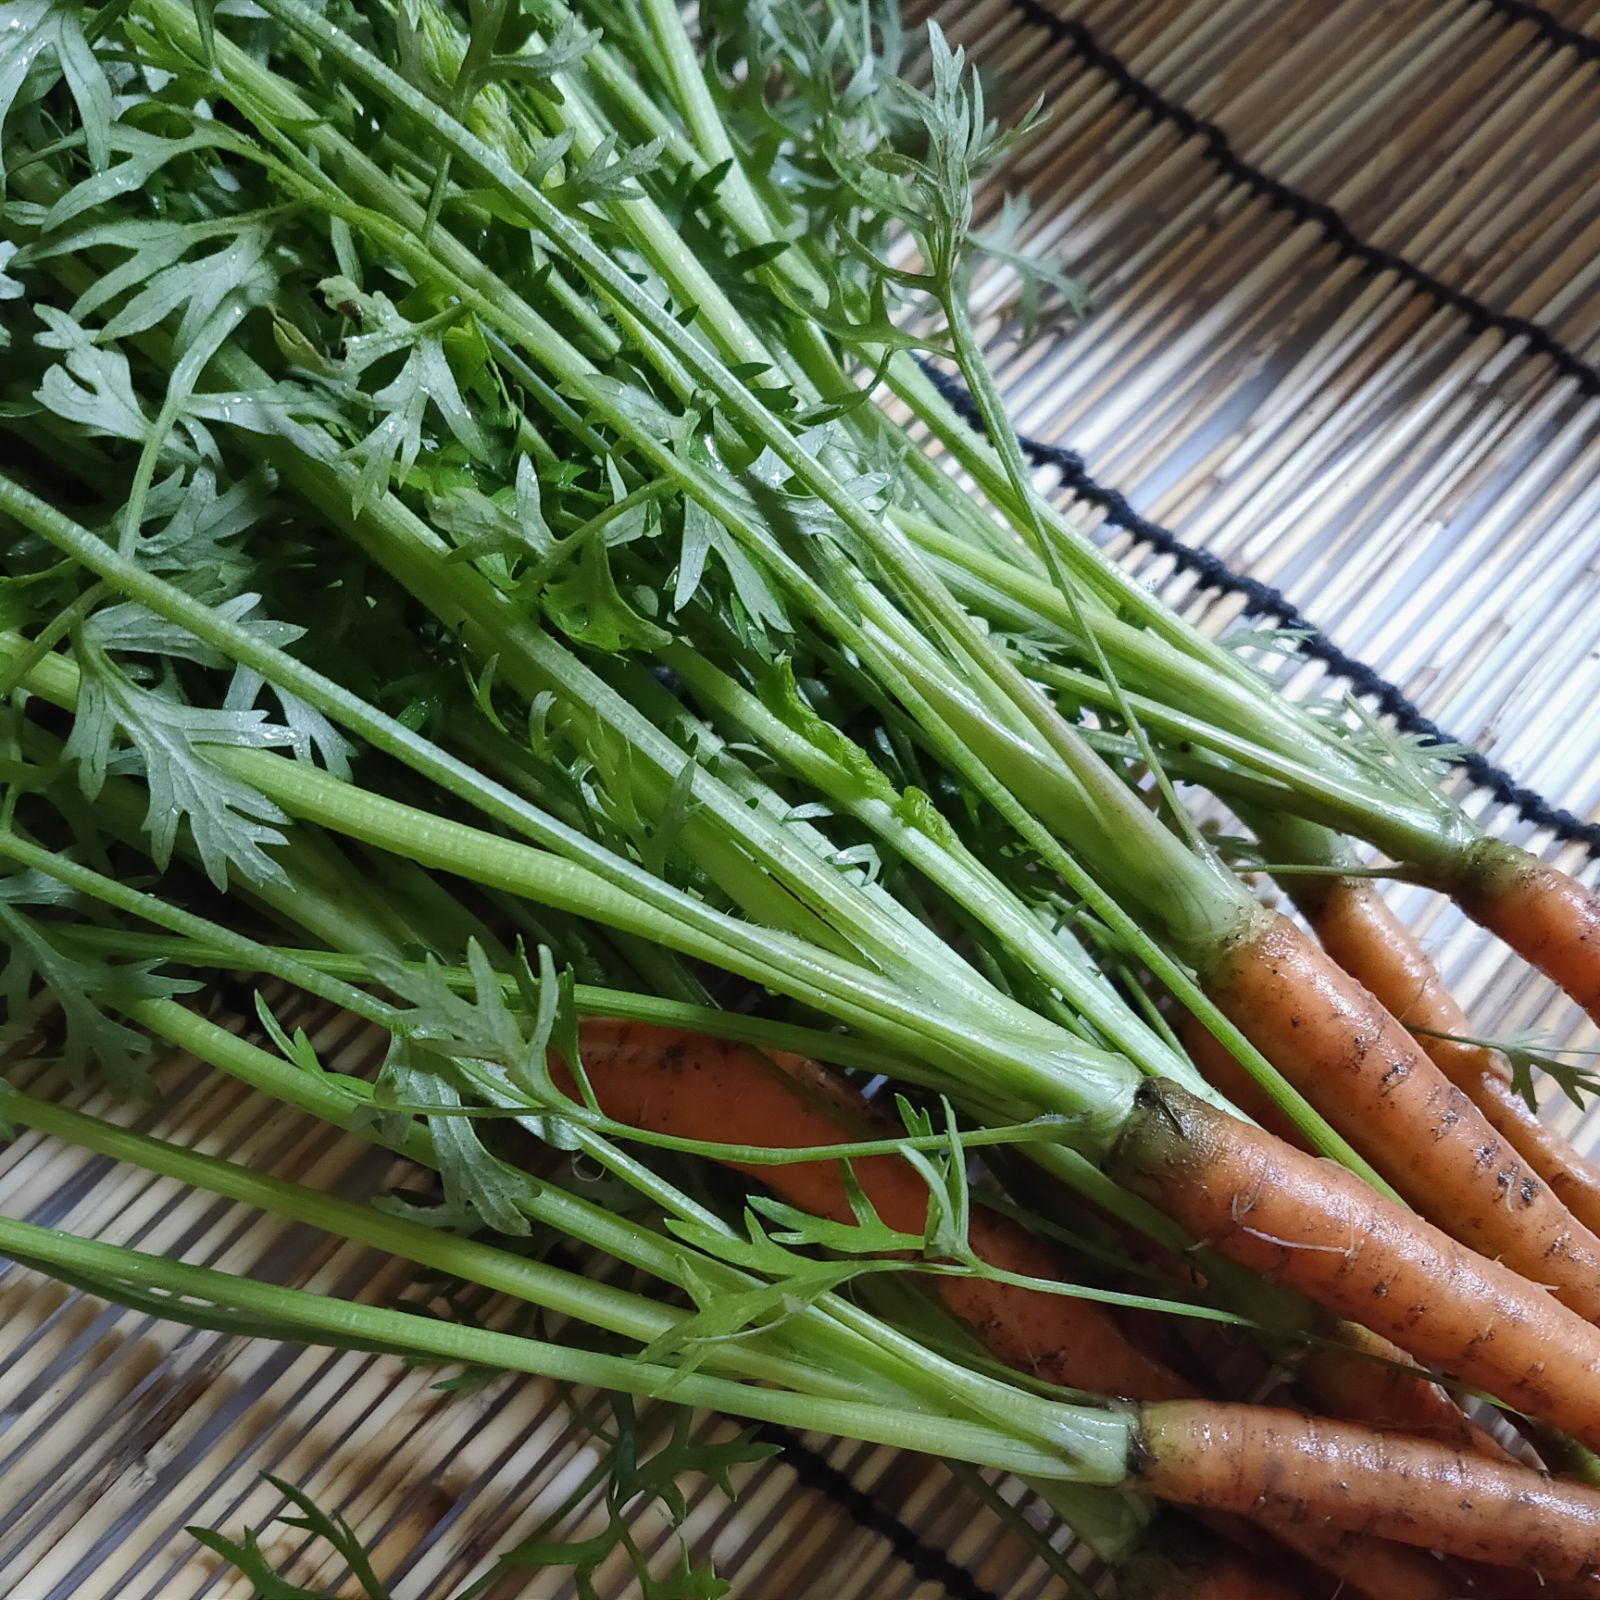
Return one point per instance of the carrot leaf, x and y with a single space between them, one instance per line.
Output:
39 978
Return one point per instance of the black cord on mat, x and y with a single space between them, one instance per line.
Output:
1262 600
1081 39
1548 28
816 1472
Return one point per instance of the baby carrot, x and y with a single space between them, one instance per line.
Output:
1550 919
1358 928
1310 1224
1373 1083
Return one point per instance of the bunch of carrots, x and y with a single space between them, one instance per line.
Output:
481 549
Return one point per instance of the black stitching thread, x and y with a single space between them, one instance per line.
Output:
1550 29
1263 600
818 1473
1079 38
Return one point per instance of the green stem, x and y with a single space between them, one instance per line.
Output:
854 1342
1211 901
946 863
1144 658
642 903
48 637
571 1294
1086 1445
1050 1070
201 942
296 966
1042 1064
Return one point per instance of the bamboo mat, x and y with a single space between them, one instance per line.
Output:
1388 410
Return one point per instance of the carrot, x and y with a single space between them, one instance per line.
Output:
703 1088
1239 1458
1372 1394
1312 1225
1372 1381
1364 1381
1367 1379
1550 919
1574 1179
1222 1070
1188 1565
1373 1083
1364 1568
1359 929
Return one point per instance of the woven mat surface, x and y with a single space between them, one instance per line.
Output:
1346 266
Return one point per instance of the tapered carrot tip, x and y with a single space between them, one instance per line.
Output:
1331 1475
1320 1229
1550 919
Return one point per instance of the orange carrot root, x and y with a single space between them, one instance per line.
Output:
1221 1069
1369 1380
1372 1381
1574 1180
1312 1225
1188 1565
1365 1568
1359 929
1369 1078
1550 919
701 1088
1331 1475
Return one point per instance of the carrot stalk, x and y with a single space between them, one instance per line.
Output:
1372 1081
1309 1224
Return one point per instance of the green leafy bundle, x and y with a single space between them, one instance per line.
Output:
471 554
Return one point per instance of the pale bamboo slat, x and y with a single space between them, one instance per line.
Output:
1318 424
